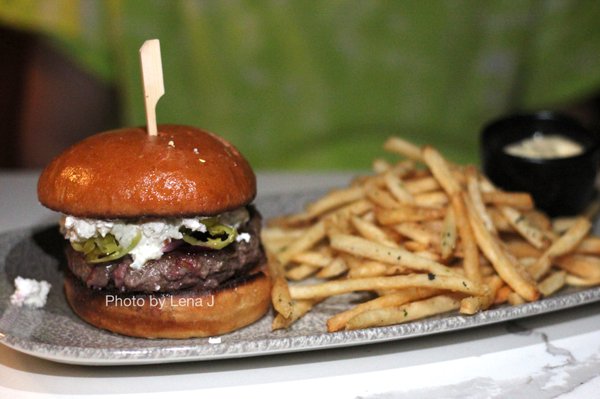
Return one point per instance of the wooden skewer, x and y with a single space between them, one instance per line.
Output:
152 79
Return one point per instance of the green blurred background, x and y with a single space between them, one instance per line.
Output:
312 84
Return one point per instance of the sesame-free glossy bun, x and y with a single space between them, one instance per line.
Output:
126 173
176 315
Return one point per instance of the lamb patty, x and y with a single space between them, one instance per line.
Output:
184 267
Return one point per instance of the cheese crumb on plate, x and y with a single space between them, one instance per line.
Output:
29 292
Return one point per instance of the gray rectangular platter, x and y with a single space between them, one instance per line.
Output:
55 333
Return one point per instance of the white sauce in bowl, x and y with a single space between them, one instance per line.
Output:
545 146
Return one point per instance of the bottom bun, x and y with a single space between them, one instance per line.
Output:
177 315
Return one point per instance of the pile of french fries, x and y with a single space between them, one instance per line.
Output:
424 236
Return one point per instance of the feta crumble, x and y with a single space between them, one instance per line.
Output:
29 292
243 237
155 234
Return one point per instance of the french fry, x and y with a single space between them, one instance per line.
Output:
589 246
563 245
414 246
334 199
554 282
500 222
523 224
522 249
336 268
486 268
277 245
526 262
313 235
337 223
418 232
280 296
338 322
458 172
524 227
424 253
580 281
522 201
408 213
280 293
401 168
396 256
372 232
297 220
404 168
412 311
393 270
584 266
476 199
474 304
431 199
312 258
300 272
441 170
381 165
355 208
515 299
338 287
592 209
368 217
502 294
469 245
280 234
369 268
449 235
381 198
562 224
299 309
542 221
505 267
403 147
422 185
397 189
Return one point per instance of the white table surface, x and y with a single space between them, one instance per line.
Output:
550 356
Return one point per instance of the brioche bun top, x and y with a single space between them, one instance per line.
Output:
126 173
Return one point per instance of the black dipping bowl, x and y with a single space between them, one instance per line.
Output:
559 186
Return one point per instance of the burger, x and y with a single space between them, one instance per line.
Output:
163 239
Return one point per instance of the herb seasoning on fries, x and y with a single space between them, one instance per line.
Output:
426 237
